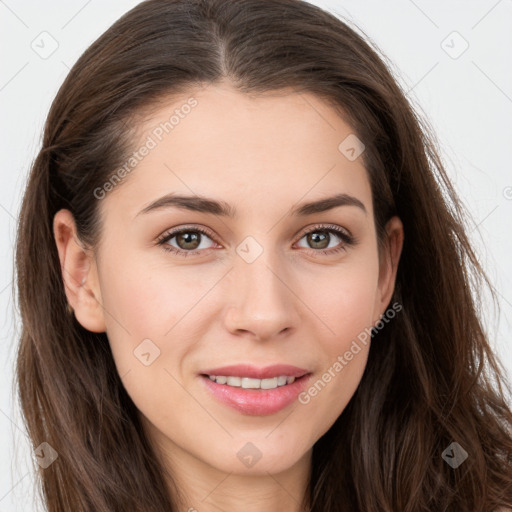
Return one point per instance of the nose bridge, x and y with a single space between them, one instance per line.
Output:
258 266
261 300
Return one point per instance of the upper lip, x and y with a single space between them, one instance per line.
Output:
247 370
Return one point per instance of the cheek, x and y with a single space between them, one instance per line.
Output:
346 304
142 302
149 299
148 313
343 299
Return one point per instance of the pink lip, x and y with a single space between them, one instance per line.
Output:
257 402
246 370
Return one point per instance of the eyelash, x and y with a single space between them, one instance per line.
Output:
348 240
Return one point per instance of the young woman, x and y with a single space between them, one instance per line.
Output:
245 283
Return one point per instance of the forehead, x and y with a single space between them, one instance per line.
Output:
249 150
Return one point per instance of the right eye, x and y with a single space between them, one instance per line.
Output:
190 239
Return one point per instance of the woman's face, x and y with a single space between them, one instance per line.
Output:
256 290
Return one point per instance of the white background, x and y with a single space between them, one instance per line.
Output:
467 99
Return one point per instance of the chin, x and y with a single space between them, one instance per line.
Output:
259 455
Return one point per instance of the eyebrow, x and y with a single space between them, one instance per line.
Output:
221 208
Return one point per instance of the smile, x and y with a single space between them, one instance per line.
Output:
255 397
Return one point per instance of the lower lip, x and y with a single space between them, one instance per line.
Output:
257 402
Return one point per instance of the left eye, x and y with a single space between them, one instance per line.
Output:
319 237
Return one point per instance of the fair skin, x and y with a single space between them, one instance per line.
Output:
291 305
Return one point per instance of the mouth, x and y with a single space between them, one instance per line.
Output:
250 395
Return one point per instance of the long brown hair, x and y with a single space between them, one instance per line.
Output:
431 377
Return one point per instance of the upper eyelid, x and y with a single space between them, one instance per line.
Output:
171 233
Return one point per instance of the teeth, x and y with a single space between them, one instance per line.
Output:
250 383
281 381
233 381
268 383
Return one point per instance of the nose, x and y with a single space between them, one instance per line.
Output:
262 301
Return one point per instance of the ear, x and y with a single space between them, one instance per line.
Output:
79 273
388 264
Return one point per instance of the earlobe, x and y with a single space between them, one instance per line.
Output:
79 273
389 261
